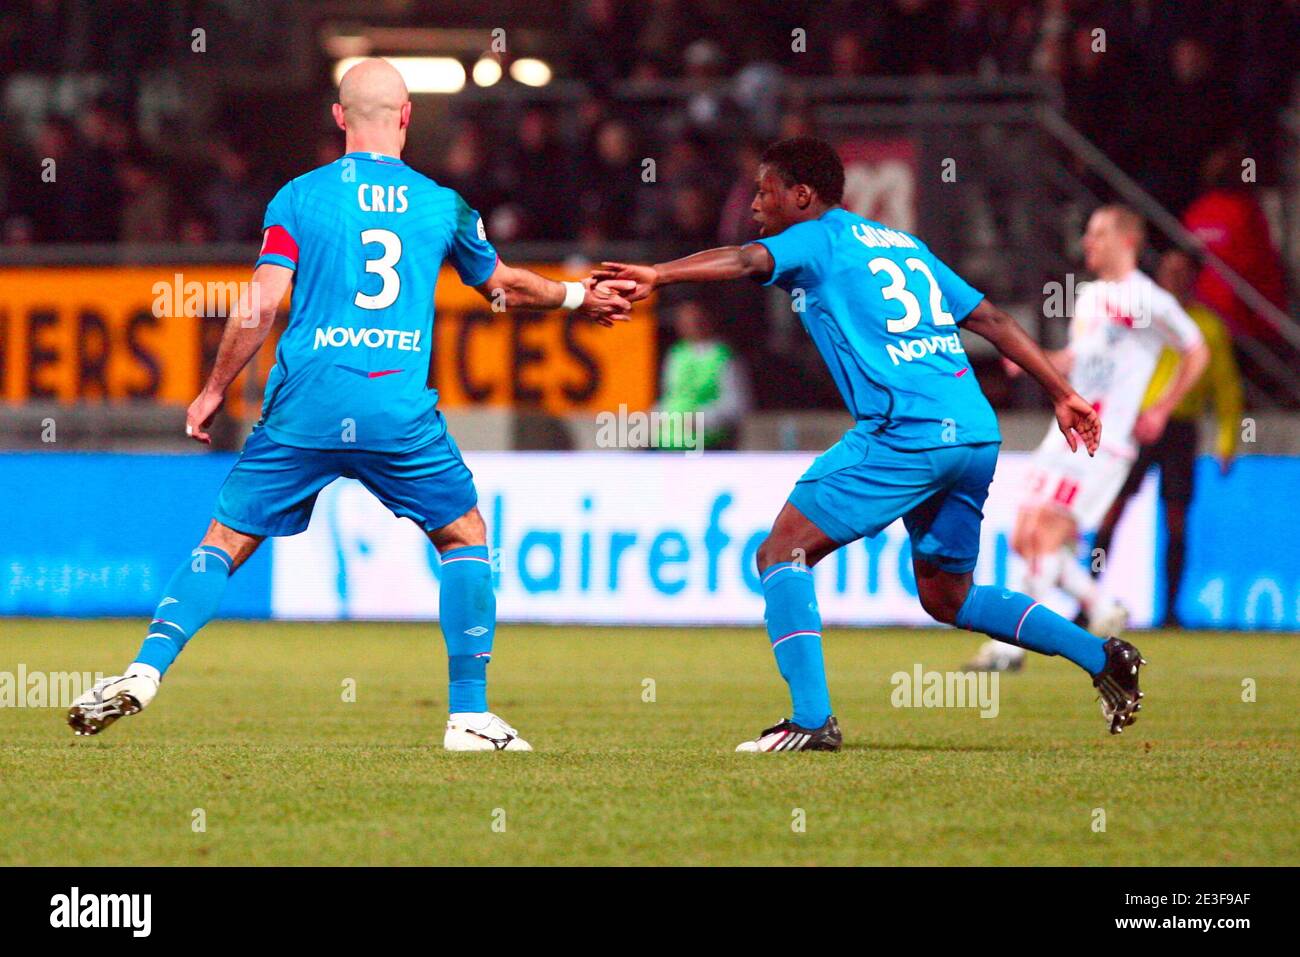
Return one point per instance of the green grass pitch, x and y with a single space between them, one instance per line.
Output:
252 728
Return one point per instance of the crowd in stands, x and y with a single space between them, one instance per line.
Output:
1160 88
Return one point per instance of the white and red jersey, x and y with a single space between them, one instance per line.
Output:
1116 336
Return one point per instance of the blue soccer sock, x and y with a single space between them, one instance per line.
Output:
189 602
1016 618
794 626
468 615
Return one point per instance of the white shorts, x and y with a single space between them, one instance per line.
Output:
1083 487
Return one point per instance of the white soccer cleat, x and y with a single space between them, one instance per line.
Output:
997 656
481 731
110 699
785 735
1109 621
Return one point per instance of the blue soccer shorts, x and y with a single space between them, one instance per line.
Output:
859 486
272 488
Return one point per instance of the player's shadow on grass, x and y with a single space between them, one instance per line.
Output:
896 746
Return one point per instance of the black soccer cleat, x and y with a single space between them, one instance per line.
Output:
1117 684
788 736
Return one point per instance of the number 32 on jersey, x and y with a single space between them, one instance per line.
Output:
896 289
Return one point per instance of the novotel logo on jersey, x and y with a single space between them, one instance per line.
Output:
399 339
909 349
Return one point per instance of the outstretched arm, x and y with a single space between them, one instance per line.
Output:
249 324
751 261
1075 417
514 288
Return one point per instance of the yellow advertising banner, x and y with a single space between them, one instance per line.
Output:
150 333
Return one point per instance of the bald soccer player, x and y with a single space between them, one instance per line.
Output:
362 240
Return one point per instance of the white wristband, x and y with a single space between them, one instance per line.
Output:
574 295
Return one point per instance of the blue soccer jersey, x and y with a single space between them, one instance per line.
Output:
883 312
367 236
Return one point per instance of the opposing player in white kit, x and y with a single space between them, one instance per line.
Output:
1121 322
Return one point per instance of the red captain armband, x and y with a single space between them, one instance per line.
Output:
276 241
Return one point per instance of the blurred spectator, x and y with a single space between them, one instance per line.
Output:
43 19
106 132
1017 33
646 71
18 231
1228 220
196 229
849 56
906 39
604 37
539 179
708 107
686 192
736 224
464 167
968 29
611 185
692 219
662 34
701 375
106 140
234 204
60 195
591 114
1186 118
796 123
146 204
1175 451
759 91
1267 43
688 161
1094 91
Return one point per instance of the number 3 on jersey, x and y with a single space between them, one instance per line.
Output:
382 267
897 289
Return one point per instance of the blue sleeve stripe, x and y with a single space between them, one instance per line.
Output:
275 259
